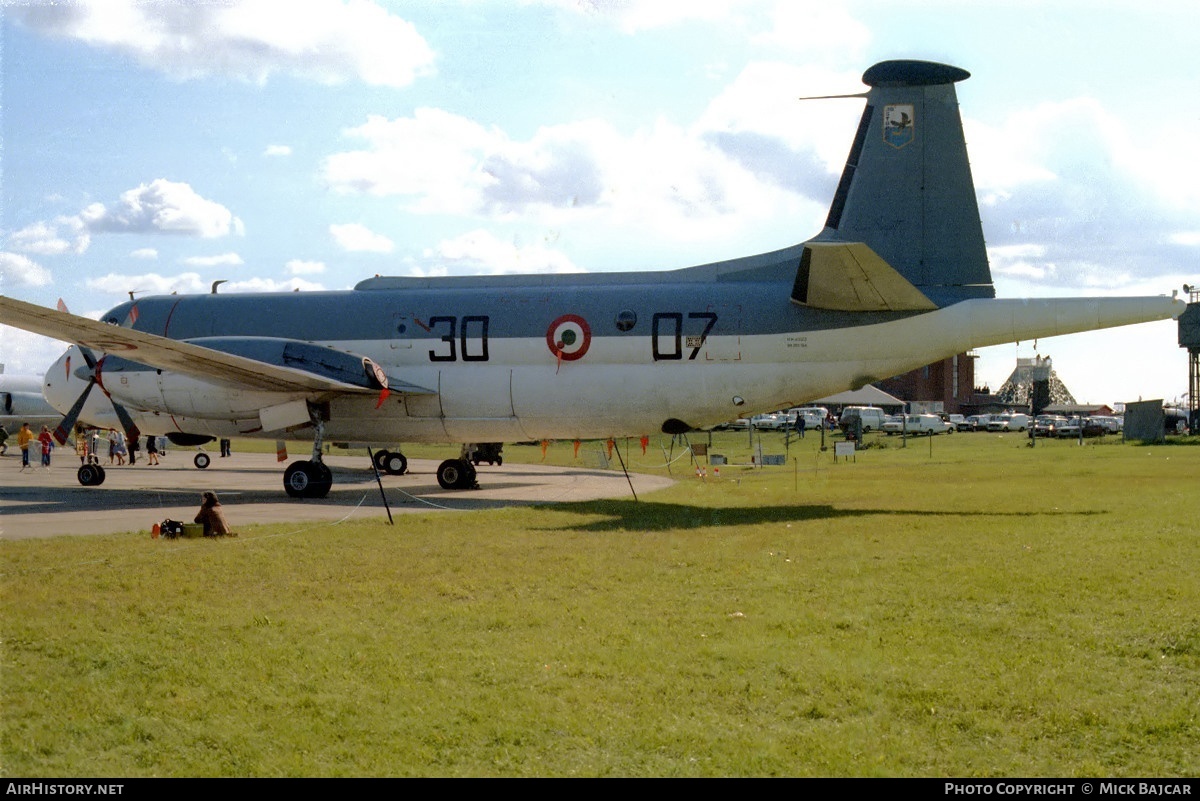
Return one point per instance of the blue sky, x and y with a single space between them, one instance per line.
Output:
160 146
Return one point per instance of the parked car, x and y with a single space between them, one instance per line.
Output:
1047 425
916 424
770 422
1068 428
814 416
978 422
1088 426
956 421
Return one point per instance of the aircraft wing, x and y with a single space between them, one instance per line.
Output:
198 361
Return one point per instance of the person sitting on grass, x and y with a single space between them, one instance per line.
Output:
213 517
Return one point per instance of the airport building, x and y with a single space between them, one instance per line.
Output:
1032 387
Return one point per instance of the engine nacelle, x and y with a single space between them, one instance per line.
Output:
140 387
338 365
185 440
137 386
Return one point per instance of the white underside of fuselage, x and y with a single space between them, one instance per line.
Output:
523 392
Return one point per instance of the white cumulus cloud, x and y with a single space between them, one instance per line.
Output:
54 238
329 41
18 270
301 267
162 207
356 238
271 285
481 252
662 175
147 284
219 260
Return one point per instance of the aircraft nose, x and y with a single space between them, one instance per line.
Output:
61 386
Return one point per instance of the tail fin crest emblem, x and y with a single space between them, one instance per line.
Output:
899 124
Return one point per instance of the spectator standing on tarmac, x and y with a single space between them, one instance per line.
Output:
81 446
3 440
117 445
47 441
152 450
24 439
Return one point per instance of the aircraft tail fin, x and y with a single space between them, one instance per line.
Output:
906 191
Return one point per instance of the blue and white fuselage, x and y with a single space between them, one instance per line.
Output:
566 356
898 278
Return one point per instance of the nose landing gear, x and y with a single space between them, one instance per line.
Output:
393 463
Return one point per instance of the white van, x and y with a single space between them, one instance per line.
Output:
872 417
1010 421
916 424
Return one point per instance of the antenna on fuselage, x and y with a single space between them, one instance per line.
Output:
835 97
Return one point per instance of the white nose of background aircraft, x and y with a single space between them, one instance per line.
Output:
898 278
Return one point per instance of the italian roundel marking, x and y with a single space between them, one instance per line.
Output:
569 337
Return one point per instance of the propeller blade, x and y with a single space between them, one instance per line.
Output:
68 421
280 451
132 432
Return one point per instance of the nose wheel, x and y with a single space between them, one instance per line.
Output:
307 480
393 463
90 475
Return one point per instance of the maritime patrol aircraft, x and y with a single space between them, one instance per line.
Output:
898 278
21 401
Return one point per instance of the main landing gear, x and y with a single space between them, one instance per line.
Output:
460 473
310 479
457 474
307 479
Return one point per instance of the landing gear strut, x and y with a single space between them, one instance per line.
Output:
311 479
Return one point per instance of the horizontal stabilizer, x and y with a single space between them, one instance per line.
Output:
852 277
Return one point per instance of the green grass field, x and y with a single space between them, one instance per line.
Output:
968 606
